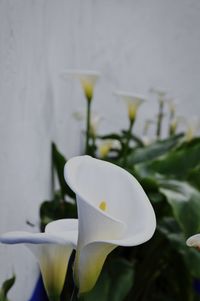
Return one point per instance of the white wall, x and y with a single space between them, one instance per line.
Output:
135 44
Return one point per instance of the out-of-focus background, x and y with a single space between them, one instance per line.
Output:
135 44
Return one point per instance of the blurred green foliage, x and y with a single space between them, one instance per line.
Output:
6 286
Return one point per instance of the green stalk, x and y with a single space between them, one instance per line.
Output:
54 298
74 296
88 127
171 130
93 144
160 118
52 171
126 146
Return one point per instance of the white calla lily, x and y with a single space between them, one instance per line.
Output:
95 121
105 147
194 241
87 79
133 101
172 105
193 126
52 250
160 93
113 211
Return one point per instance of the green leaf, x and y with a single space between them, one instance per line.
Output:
176 238
114 283
59 163
6 286
194 177
176 164
185 203
149 184
110 136
56 209
153 150
132 137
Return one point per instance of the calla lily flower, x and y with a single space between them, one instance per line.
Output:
161 94
133 102
172 105
194 241
52 250
113 211
193 126
95 121
105 147
87 79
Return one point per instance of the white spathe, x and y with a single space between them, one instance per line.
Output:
52 250
132 100
194 241
95 121
113 211
105 147
88 79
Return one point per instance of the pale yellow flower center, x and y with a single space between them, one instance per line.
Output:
88 88
104 148
103 206
132 110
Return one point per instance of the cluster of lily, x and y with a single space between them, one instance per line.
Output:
88 81
133 101
113 210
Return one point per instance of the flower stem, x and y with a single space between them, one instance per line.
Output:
54 298
74 296
88 127
160 118
172 125
126 146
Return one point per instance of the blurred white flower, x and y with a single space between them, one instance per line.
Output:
147 140
194 241
87 79
172 105
173 126
79 116
95 121
105 147
148 123
193 126
113 211
52 250
133 101
160 94
94 124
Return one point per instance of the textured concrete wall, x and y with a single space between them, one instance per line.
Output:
135 44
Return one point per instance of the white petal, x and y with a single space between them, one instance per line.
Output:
129 95
96 180
53 260
22 237
67 229
89 263
95 225
65 224
89 75
52 250
193 241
